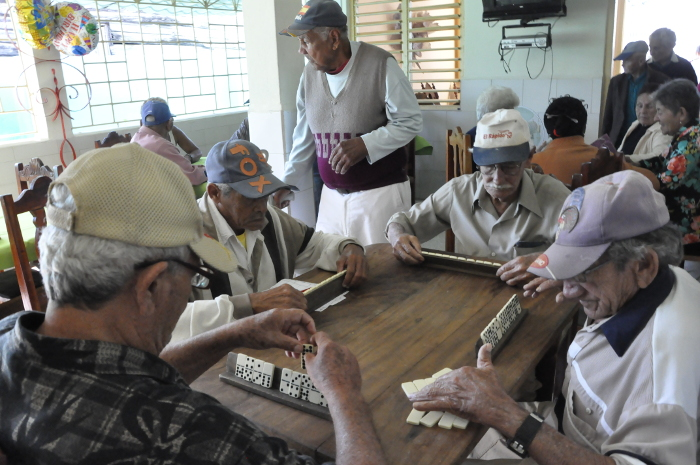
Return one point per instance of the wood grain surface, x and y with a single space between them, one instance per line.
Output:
405 323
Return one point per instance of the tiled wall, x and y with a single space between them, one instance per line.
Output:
534 94
205 132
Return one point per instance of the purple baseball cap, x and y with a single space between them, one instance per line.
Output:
615 207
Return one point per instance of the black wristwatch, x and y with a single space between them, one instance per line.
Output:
525 435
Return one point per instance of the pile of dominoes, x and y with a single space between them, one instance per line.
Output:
254 370
498 327
299 386
444 420
462 259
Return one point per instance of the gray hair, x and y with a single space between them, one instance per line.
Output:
224 188
666 241
86 271
324 31
496 98
679 93
664 34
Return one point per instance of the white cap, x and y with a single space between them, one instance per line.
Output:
502 136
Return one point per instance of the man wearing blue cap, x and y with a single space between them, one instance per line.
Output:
356 111
624 88
154 135
268 244
503 211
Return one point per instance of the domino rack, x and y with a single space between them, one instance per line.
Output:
504 340
459 262
273 392
324 292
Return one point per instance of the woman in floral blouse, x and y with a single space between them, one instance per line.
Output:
678 168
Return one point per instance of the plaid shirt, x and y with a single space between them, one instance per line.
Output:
91 402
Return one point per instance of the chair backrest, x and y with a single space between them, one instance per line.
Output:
31 200
111 139
602 165
25 174
458 162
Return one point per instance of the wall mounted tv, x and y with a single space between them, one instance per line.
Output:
525 10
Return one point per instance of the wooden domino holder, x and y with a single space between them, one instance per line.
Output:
506 336
273 392
454 264
324 291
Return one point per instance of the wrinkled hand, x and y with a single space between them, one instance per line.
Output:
347 154
283 329
539 285
284 296
471 393
515 271
353 259
407 249
278 196
334 369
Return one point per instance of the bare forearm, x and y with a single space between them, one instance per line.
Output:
355 437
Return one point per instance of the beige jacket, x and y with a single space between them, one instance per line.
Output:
652 144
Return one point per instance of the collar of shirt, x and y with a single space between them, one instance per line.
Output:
98 357
226 233
567 142
527 197
622 328
674 59
337 81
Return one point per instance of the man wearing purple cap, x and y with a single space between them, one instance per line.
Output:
154 134
268 244
624 88
630 395
356 111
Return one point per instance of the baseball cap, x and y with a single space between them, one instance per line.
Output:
502 136
241 165
316 13
154 113
632 48
129 194
615 207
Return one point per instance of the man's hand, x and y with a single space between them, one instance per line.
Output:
353 259
472 393
407 249
539 285
278 198
515 271
285 329
284 296
333 369
347 154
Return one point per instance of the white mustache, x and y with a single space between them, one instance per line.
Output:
502 187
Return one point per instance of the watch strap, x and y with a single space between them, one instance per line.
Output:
525 434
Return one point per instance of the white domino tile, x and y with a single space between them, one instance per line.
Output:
447 420
324 402
249 362
419 384
444 371
284 387
296 378
314 397
258 365
304 393
257 377
414 417
266 381
460 423
240 360
429 381
409 388
294 391
431 419
268 369
286 375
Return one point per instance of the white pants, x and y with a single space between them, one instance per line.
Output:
362 215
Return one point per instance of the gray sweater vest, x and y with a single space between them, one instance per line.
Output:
358 109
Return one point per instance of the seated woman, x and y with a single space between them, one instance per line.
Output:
565 121
677 106
644 138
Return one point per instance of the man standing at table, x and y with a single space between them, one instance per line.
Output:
268 244
502 211
356 111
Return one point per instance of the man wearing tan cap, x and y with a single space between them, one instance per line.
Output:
91 381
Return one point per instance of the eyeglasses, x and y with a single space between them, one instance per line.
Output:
201 278
581 277
509 169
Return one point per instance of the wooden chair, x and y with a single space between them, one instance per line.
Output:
26 174
603 164
31 200
112 139
458 162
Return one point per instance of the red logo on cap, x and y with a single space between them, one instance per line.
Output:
541 262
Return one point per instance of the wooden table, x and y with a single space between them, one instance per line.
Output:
404 324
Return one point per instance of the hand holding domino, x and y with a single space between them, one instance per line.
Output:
333 369
285 329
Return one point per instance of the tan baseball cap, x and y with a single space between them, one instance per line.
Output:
129 194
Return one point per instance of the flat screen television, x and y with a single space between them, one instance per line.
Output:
527 10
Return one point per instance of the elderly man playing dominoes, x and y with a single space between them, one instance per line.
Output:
89 381
268 244
630 394
503 211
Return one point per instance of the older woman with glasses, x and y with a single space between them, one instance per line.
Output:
630 395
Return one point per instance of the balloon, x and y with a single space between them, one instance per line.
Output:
36 22
76 29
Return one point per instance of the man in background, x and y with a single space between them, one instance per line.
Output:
663 59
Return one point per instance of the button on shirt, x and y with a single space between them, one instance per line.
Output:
464 205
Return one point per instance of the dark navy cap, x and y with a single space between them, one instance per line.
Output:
316 13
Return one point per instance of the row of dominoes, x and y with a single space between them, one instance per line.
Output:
254 370
299 386
463 259
444 420
497 328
